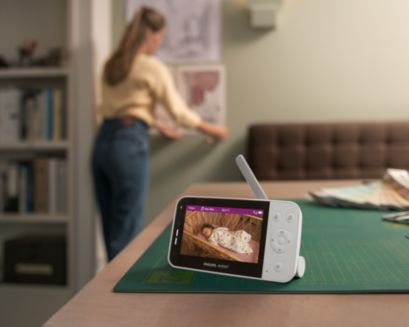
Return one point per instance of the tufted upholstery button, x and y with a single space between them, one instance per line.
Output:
318 134
373 155
346 155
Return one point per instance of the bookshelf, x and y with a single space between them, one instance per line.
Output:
75 26
24 129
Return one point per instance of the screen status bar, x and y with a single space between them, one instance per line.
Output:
240 211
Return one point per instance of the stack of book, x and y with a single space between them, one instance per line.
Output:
32 115
36 186
392 192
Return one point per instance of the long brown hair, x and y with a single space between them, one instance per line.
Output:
119 64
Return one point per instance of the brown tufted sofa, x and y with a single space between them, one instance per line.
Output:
327 150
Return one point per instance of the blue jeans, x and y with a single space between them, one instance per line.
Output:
120 165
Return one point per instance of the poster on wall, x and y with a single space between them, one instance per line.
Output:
203 88
192 30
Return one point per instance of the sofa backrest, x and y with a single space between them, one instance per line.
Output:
327 150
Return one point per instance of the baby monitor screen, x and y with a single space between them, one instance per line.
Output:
223 235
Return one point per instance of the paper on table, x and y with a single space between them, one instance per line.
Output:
392 192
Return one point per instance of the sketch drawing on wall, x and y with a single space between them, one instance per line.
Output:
192 32
203 88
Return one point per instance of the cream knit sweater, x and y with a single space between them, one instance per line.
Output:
149 81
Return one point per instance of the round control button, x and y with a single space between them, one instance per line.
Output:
278 266
280 241
277 247
276 217
290 218
284 234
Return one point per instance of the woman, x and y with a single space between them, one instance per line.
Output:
133 82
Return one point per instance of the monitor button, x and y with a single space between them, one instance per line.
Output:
276 217
280 241
290 218
277 247
278 266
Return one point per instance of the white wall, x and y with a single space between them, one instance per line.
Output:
41 20
329 59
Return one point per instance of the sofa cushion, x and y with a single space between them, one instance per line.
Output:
327 150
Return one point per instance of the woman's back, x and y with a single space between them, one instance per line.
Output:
135 91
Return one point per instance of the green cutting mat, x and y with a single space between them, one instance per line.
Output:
346 251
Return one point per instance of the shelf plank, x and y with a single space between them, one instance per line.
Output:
34 218
33 72
34 146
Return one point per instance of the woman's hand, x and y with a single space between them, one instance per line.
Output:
217 131
167 130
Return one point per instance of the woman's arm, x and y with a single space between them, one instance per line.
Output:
167 130
217 131
172 133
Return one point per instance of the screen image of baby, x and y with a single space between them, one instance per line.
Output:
222 235
237 241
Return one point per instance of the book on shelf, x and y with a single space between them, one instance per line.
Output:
11 203
32 115
9 114
35 186
41 185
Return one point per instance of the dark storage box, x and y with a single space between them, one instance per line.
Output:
38 259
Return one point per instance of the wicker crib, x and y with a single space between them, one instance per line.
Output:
196 245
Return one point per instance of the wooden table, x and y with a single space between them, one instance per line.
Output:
96 304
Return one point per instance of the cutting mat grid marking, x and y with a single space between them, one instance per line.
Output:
355 262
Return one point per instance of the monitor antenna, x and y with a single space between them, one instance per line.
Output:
250 178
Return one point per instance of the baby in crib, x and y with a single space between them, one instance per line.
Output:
237 241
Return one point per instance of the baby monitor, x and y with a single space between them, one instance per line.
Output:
252 238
